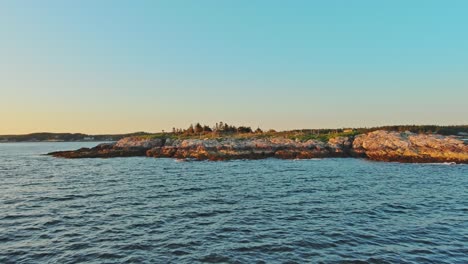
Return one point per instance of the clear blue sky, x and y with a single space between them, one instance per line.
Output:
122 66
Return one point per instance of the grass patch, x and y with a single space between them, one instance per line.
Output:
294 135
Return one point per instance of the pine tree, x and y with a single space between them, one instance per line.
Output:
190 130
198 128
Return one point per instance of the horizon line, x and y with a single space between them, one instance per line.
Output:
286 130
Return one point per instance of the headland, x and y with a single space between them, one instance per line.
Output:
412 145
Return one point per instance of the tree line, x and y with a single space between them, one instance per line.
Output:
220 128
420 129
426 129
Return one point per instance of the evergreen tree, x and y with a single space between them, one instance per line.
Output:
190 130
198 128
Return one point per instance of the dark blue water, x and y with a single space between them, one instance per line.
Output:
145 210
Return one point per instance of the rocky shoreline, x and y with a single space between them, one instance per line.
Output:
378 145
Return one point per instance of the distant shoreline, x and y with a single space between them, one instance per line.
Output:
45 141
223 130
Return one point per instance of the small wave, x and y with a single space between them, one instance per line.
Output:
215 258
52 222
185 160
176 245
78 246
207 214
265 248
180 252
443 163
139 246
21 216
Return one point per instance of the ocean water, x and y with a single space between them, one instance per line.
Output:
145 210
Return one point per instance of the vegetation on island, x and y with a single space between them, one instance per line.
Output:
223 130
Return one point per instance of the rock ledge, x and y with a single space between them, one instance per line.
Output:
378 145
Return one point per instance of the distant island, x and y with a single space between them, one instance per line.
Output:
418 144
65 137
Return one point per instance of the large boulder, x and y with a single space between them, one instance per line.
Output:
409 147
340 146
139 142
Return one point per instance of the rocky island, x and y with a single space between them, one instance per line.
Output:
378 145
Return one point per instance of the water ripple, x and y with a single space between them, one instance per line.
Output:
144 210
